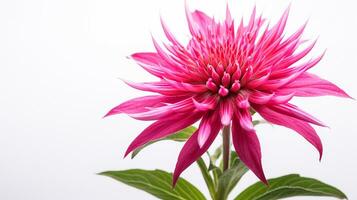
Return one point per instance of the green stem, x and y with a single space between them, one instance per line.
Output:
226 146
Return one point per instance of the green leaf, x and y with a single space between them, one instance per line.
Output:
214 157
229 179
216 171
289 186
157 183
179 136
206 176
257 122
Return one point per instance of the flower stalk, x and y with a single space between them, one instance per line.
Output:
226 146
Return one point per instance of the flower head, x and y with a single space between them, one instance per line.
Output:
220 78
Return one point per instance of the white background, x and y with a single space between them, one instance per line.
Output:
59 67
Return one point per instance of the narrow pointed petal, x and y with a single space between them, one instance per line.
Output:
153 113
258 97
295 112
309 85
163 128
190 21
247 146
157 113
281 99
150 62
157 87
257 82
301 127
166 59
141 104
168 88
191 151
228 20
197 88
202 21
168 33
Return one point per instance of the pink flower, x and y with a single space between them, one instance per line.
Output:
221 77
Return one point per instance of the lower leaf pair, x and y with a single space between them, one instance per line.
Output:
158 183
220 184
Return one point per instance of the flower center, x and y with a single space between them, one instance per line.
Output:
224 80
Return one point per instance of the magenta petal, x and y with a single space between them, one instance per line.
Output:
258 97
204 130
197 88
301 127
162 128
295 112
257 82
308 85
191 151
153 113
150 62
168 33
281 99
167 110
202 20
245 119
209 103
141 104
247 146
226 111
167 88
190 21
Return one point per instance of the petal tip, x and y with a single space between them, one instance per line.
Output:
111 112
127 152
174 181
106 115
320 154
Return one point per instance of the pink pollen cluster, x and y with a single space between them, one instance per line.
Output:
224 80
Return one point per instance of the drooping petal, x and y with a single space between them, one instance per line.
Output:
295 112
191 151
247 146
226 110
309 85
301 127
163 128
